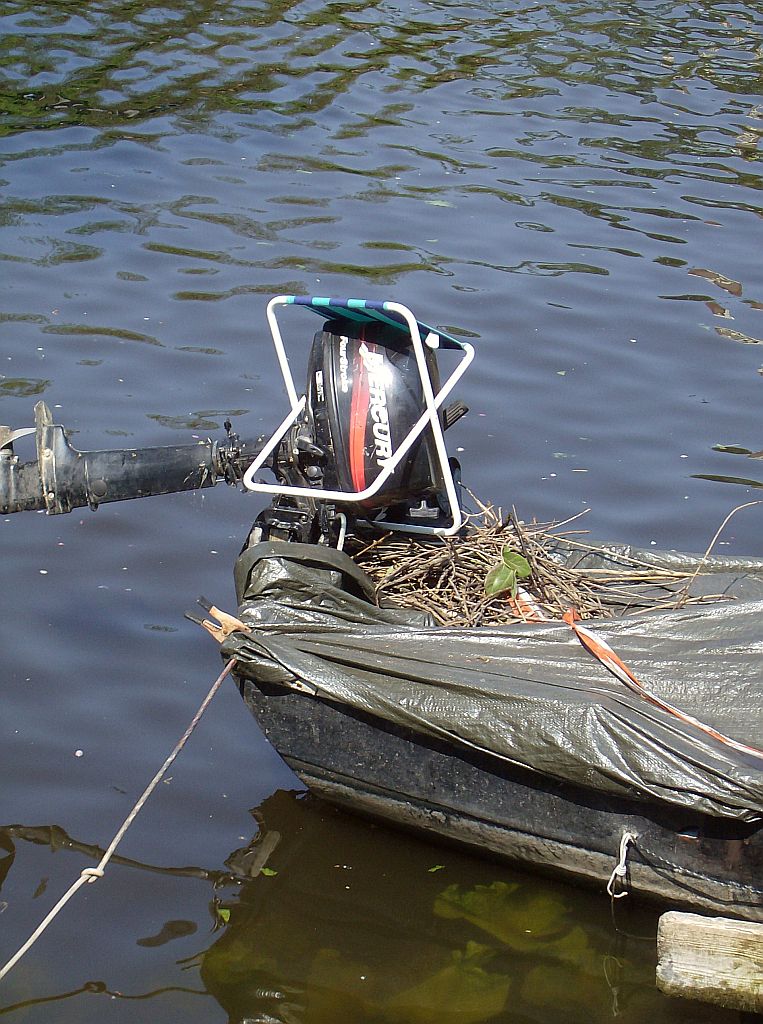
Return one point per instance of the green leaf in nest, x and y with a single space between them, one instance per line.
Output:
504 576
500 579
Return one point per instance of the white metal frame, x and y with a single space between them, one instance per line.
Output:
429 418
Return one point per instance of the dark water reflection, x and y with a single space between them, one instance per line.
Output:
321 918
576 189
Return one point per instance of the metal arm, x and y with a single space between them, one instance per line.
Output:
63 478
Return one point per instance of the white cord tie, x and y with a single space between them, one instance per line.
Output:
621 868
92 874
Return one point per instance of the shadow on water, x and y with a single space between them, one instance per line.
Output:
324 917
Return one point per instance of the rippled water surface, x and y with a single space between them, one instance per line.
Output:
575 189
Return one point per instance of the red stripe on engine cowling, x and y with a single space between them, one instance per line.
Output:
358 422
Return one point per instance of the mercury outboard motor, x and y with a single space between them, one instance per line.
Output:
363 444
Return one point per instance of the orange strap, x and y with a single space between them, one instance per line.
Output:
601 650
526 607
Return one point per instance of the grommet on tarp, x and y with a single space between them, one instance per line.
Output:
621 868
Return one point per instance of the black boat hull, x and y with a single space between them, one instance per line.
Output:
360 762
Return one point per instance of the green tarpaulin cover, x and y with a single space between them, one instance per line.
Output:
530 694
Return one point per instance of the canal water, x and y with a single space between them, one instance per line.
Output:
573 188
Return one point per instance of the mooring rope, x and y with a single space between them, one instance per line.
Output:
93 874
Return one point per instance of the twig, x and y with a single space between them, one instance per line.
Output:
447 578
685 593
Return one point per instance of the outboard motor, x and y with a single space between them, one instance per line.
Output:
365 441
363 445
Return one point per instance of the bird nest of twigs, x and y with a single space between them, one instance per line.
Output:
446 577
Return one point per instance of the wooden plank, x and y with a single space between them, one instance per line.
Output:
713 959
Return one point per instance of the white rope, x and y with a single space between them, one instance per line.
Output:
620 867
89 875
342 531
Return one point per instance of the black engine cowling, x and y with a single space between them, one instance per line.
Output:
364 395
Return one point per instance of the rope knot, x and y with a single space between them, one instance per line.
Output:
92 874
620 870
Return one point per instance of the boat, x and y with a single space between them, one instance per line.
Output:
513 739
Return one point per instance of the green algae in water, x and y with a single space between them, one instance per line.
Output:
354 927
